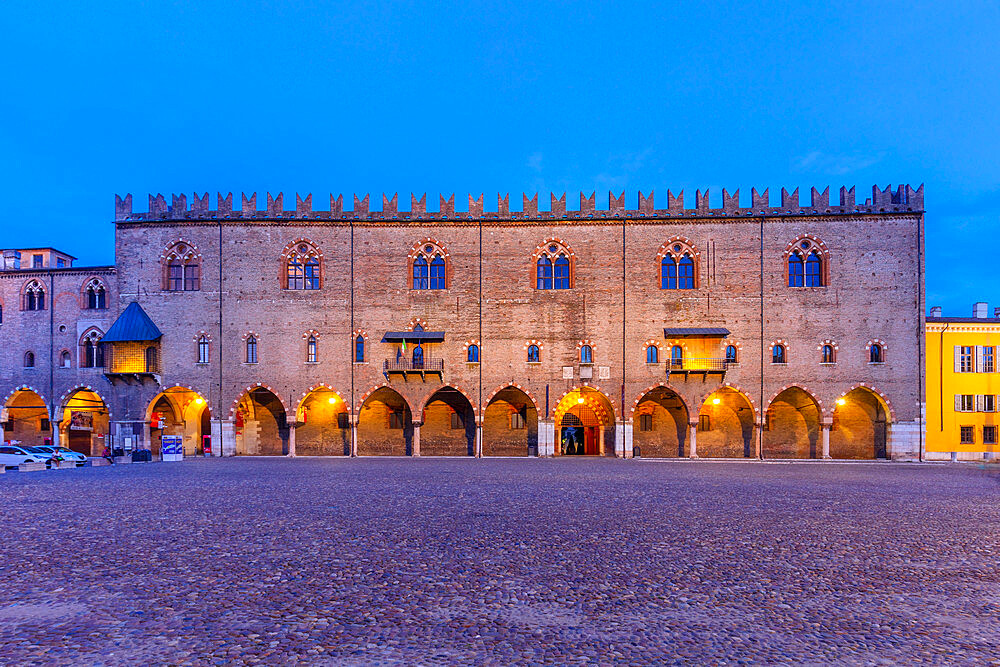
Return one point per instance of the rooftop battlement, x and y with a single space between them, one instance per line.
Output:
904 199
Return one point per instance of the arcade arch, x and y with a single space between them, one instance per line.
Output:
510 424
660 424
83 424
180 411
385 424
584 424
792 426
860 427
322 424
25 418
261 424
726 425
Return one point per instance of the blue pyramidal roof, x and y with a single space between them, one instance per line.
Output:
132 325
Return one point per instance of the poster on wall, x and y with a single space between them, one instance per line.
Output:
172 448
81 421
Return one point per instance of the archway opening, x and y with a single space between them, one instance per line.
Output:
510 424
791 428
449 425
660 425
261 424
585 424
860 426
84 424
323 425
385 425
725 425
180 412
26 419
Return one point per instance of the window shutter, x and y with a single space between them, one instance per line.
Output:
958 402
980 407
979 358
958 360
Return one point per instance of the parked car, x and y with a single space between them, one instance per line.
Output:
15 455
64 454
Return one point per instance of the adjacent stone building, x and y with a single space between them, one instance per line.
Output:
788 331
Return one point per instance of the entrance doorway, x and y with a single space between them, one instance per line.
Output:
579 433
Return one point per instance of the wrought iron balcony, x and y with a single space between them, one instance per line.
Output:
698 365
406 367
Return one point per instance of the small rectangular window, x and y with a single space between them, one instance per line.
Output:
61 263
517 421
989 435
36 261
646 423
968 435
342 421
704 423
396 420
457 423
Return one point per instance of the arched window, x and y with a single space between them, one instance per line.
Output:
420 273
732 356
29 359
685 274
544 273
826 354
814 270
806 263
182 268
554 266
1 313
311 350
203 349
34 296
251 349
95 295
562 272
64 359
418 356
668 273
652 355
429 266
437 272
586 355
303 267
91 352
677 356
151 366
875 355
534 355
778 354
359 349
678 265
473 354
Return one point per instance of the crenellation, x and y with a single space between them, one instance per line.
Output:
903 199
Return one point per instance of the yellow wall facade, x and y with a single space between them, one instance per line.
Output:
946 380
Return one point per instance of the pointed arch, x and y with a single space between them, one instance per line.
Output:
510 422
726 420
94 294
556 255
798 254
33 295
301 266
322 422
429 265
660 416
384 423
792 424
181 264
678 264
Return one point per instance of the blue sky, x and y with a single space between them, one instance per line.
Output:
486 97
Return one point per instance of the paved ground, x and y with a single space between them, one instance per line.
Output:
389 561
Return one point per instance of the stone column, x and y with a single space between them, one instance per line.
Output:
546 438
291 440
416 438
693 440
354 435
216 437
826 439
758 440
600 439
479 439
228 437
2 438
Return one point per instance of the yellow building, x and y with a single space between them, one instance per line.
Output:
963 383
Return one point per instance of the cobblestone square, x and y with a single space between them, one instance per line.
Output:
402 561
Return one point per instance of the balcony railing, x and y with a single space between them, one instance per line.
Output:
698 365
411 366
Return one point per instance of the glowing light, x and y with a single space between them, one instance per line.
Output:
841 401
716 401
199 401
332 400
580 400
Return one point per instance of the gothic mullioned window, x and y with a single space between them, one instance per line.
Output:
95 295
33 297
806 263
678 265
91 353
181 268
303 266
430 266
554 266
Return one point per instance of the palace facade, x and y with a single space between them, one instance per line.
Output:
787 331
